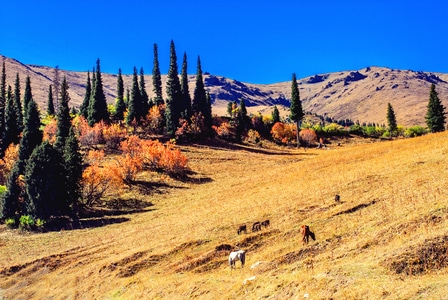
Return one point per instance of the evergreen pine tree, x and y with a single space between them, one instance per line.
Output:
73 168
391 120
120 106
98 105
134 103
56 85
84 108
3 82
435 115
28 96
199 101
144 98
9 204
296 105
208 113
63 116
174 94
50 102
32 136
18 104
2 101
45 183
11 133
186 99
157 78
275 115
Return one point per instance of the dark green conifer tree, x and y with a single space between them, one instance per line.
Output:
199 101
50 102
84 108
296 106
186 99
98 105
435 115
11 134
2 100
72 159
45 183
28 96
174 94
157 78
32 136
63 116
144 98
391 120
18 103
208 113
134 103
275 115
9 204
120 106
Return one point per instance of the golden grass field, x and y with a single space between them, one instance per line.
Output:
387 239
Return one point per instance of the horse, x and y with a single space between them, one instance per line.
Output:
266 223
235 256
306 234
337 198
242 228
256 226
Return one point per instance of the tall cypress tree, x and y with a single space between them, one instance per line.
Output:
120 106
435 115
84 108
275 115
186 99
50 102
72 160
63 116
28 96
18 103
32 136
296 105
157 78
11 134
134 103
9 204
199 101
98 105
391 120
174 94
143 95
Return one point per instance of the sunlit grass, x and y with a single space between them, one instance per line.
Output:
393 198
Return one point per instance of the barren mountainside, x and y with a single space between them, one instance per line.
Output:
357 95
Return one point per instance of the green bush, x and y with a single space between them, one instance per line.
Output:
11 223
26 222
414 131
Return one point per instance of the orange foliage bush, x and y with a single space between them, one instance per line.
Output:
8 161
88 136
113 135
173 161
283 133
224 131
50 131
308 136
154 119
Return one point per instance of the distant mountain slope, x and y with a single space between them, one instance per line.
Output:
357 95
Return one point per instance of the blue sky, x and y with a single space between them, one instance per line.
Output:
250 41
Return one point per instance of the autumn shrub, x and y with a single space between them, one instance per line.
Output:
225 131
128 167
50 131
113 135
253 136
154 119
191 130
88 136
8 161
283 133
308 136
98 178
173 161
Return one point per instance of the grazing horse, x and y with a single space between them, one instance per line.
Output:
306 234
266 223
256 226
235 256
242 228
337 198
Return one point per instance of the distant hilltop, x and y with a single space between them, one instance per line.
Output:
360 95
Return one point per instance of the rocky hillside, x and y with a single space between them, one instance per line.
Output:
357 95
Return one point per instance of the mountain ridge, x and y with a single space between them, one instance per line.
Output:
358 95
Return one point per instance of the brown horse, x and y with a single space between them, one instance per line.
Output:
306 234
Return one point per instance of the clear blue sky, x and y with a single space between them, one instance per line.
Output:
251 41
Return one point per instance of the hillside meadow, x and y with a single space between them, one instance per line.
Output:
161 238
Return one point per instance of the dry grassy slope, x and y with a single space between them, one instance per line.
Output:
364 100
394 209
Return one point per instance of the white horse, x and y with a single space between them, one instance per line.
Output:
235 256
